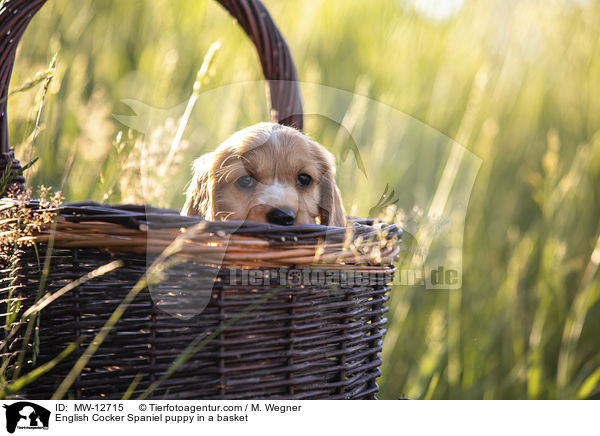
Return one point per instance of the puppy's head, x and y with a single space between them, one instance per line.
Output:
266 173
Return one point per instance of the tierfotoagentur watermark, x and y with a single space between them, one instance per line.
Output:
343 279
416 177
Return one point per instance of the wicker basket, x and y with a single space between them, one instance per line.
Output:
244 310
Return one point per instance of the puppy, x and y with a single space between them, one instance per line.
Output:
266 173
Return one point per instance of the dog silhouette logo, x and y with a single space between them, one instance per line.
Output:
26 415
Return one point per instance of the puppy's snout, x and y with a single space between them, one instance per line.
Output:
283 216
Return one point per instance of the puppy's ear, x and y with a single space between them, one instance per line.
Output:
330 205
199 194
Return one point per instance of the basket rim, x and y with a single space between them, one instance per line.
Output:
139 215
146 229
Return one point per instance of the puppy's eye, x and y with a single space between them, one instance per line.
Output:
245 182
304 180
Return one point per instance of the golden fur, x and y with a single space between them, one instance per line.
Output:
264 169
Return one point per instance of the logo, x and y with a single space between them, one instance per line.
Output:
26 415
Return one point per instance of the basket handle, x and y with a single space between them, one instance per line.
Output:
273 52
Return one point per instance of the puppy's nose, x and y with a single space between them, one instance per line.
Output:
281 216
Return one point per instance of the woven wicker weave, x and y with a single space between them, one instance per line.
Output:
311 326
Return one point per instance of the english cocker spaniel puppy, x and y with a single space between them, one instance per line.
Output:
266 173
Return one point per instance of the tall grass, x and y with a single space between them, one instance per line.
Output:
516 83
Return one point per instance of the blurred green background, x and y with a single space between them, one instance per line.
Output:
517 83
